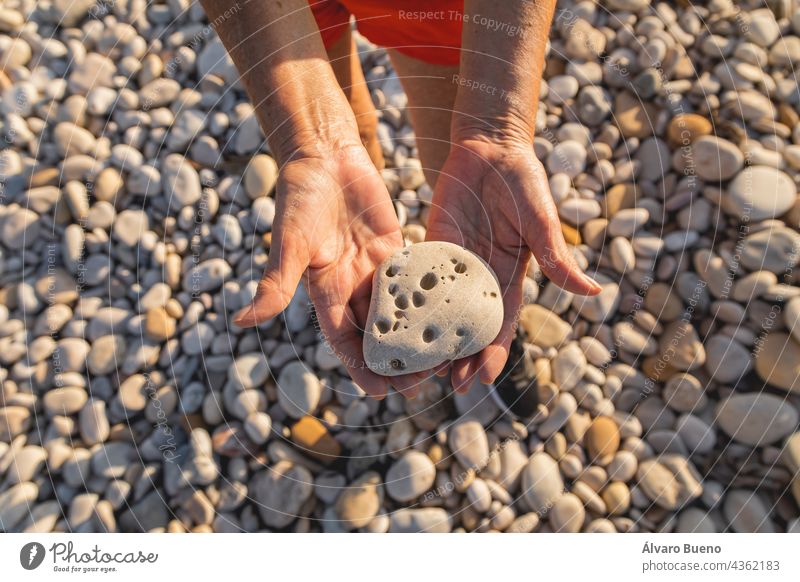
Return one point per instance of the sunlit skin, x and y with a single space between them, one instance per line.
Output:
495 201
335 222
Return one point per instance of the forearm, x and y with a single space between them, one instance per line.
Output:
501 69
278 52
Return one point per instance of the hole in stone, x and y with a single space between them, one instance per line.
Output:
393 288
418 299
452 277
397 364
401 301
406 253
428 281
460 332
396 326
493 294
391 271
382 325
454 261
428 335
460 268
447 301
400 315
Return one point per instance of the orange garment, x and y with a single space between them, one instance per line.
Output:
429 31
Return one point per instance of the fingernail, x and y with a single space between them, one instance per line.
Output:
241 317
487 378
594 284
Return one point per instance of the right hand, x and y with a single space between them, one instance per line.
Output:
335 222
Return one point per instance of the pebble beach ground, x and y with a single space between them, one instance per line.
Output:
136 204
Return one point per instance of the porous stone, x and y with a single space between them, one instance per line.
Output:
431 302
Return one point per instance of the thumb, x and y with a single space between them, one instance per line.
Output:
275 290
546 241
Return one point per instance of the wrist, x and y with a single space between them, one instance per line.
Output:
505 119
491 138
303 123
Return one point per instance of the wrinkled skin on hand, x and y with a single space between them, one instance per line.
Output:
335 223
495 200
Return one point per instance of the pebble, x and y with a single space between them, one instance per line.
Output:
602 440
15 502
130 226
617 498
467 440
569 366
180 181
541 484
543 327
260 176
427 520
774 250
159 325
313 438
20 229
431 302
359 502
760 193
568 157
757 419
281 491
670 481
93 422
207 276
410 476
716 159
727 360
747 513
685 128
680 347
14 420
249 371
299 390
634 118
567 514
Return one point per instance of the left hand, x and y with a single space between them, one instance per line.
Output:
494 199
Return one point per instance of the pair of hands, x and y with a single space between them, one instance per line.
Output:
335 223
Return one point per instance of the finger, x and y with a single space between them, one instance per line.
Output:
462 374
442 370
342 333
546 241
556 261
275 290
407 384
493 358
